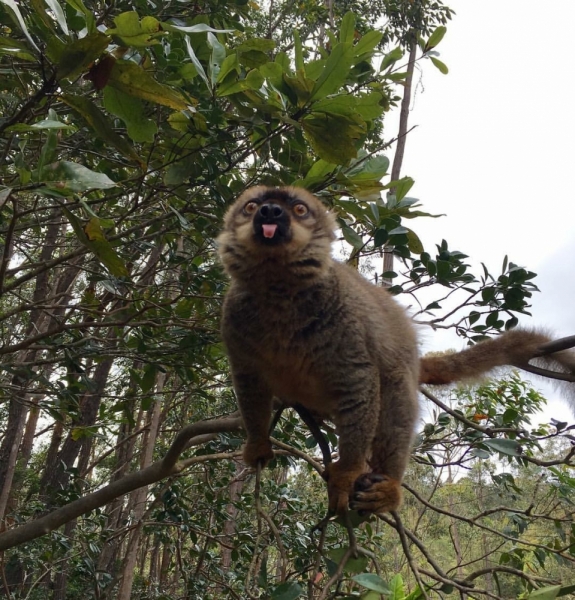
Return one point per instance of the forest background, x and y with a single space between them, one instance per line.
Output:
127 130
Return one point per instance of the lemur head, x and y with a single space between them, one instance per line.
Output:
282 228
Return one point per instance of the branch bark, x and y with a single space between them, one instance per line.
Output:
169 465
401 135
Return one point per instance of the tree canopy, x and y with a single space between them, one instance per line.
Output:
127 128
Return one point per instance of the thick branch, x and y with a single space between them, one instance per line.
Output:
545 372
155 472
556 346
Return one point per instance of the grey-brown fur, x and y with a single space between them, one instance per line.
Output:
307 329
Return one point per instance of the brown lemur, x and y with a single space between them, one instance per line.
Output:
307 329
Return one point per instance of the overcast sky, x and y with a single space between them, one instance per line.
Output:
495 149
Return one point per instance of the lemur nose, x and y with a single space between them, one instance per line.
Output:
270 210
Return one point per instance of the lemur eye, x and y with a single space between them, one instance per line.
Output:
300 210
250 208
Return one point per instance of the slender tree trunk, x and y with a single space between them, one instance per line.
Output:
61 578
18 406
235 489
138 498
402 138
154 561
454 532
116 511
165 568
56 475
55 442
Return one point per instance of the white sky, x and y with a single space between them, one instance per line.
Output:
495 147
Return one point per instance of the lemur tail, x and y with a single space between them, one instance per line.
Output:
519 348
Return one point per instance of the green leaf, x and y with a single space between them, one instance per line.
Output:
566 589
253 81
15 49
403 186
372 581
396 587
414 244
80 7
130 31
131 79
319 171
440 65
374 168
100 124
547 593
390 58
298 50
352 237
335 72
59 14
273 72
229 64
40 125
290 590
75 58
334 137
338 105
417 594
435 38
347 29
11 4
48 152
104 250
198 28
197 64
367 43
66 177
217 58
92 236
131 111
381 236
259 44
504 446
352 565
369 105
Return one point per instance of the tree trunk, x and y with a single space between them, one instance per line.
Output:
56 475
138 498
235 489
401 139
18 405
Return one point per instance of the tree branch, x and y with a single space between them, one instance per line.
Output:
155 472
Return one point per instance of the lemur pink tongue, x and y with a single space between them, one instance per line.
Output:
269 230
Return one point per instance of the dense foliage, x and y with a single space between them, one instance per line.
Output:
127 129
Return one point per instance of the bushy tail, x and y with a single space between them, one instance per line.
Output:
516 348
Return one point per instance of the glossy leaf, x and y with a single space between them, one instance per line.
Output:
334 137
435 37
129 30
371 581
99 123
131 79
131 111
440 65
504 446
13 6
290 590
66 177
335 71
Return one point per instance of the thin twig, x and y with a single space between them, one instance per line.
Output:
405 545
